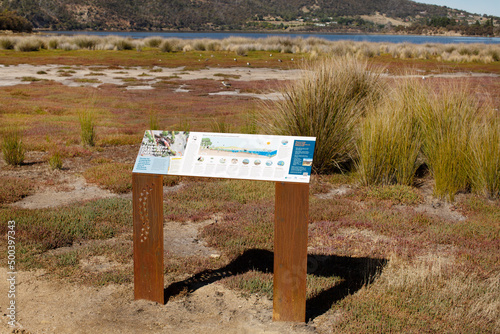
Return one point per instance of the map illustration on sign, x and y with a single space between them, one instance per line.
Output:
226 155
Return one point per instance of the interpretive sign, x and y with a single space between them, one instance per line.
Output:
287 160
226 155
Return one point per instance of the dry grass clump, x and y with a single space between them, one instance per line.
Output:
7 43
30 44
390 138
326 103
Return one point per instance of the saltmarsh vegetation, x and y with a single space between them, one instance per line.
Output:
461 53
442 275
448 130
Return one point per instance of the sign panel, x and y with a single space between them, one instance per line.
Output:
226 155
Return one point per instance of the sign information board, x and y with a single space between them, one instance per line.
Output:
226 155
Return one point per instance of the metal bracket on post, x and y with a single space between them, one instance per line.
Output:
290 251
147 199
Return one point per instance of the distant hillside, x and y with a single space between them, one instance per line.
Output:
194 15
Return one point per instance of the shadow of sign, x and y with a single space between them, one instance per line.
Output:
355 273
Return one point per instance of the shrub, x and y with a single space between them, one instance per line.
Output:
87 127
200 45
390 139
326 103
12 147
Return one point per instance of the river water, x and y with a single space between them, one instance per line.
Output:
414 39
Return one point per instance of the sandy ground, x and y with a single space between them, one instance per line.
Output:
56 307
13 75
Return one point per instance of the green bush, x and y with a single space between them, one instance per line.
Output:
327 103
12 147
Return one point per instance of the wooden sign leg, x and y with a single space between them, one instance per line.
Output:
290 251
147 198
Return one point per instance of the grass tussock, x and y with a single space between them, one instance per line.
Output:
327 103
390 139
12 147
55 160
485 157
447 119
154 121
87 127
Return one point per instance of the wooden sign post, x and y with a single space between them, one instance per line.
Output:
290 251
147 200
283 159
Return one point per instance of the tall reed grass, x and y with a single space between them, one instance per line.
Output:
390 139
326 102
485 157
447 118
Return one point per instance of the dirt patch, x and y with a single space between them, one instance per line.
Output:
182 239
58 307
78 190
